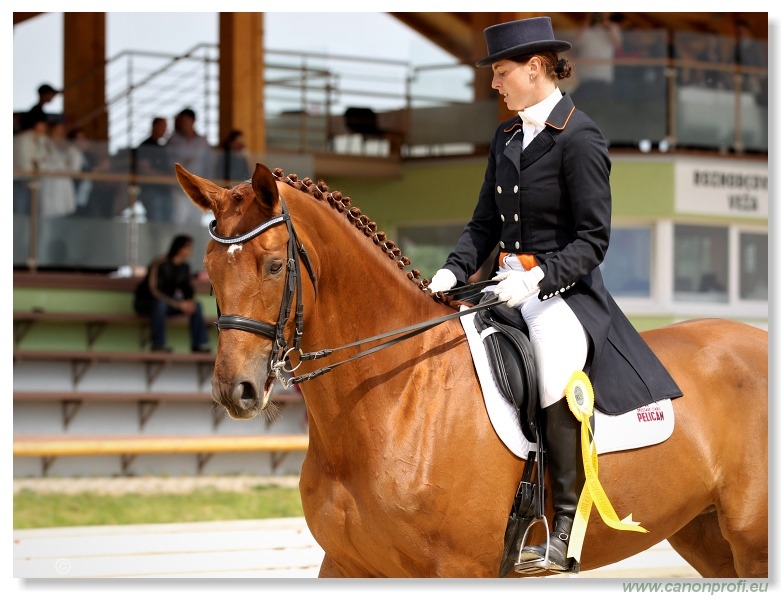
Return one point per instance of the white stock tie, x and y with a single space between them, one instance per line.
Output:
530 128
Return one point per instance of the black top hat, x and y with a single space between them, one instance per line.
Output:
520 38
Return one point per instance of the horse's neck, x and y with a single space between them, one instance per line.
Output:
361 293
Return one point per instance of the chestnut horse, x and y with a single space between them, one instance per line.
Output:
404 475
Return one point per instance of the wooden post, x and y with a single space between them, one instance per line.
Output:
84 77
241 78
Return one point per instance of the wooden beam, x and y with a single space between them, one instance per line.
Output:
450 31
21 17
241 78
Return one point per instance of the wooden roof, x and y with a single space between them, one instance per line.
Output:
460 33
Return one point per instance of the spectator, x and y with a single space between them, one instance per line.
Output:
645 75
46 94
58 194
167 290
100 201
696 50
152 159
232 162
597 46
189 148
750 53
81 153
30 148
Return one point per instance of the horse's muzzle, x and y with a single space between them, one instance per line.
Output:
241 398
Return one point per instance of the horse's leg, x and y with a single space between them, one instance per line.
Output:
727 373
702 545
730 541
743 518
328 568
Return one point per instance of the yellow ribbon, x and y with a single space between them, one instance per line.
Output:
580 398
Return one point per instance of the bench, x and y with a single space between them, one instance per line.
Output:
48 448
86 281
148 402
155 362
95 323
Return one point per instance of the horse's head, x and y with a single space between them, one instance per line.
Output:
247 263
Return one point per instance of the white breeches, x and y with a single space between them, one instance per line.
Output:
559 340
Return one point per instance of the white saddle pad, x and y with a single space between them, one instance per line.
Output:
648 425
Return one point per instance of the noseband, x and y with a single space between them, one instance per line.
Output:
274 331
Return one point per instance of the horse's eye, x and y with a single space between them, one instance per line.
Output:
275 267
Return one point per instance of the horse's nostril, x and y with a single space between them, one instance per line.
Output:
245 396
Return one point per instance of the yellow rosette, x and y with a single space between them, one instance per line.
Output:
580 398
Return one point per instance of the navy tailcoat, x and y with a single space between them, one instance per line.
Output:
553 200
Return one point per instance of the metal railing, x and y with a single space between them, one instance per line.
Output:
694 90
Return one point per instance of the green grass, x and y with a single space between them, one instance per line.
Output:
35 510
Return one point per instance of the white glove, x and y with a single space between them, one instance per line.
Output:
442 281
516 286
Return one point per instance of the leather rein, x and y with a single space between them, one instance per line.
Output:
279 365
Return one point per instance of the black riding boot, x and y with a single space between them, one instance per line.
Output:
565 466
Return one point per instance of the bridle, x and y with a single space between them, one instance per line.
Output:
279 366
275 331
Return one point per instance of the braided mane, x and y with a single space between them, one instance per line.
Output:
343 204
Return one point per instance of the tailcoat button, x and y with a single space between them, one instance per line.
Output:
517 245
515 190
499 189
502 217
501 245
516 218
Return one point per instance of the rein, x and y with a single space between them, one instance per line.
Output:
404 333
279 358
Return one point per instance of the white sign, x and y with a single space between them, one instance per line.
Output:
720 188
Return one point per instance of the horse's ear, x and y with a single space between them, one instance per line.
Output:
265 186
204 193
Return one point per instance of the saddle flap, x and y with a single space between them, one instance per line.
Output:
511 359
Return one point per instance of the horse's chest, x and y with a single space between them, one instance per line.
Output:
363 531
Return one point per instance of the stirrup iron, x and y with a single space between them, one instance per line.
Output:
535 565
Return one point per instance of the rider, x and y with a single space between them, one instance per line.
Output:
546 202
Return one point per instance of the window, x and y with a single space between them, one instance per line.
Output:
753 266
627 265
700 256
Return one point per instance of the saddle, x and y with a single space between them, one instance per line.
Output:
505 336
